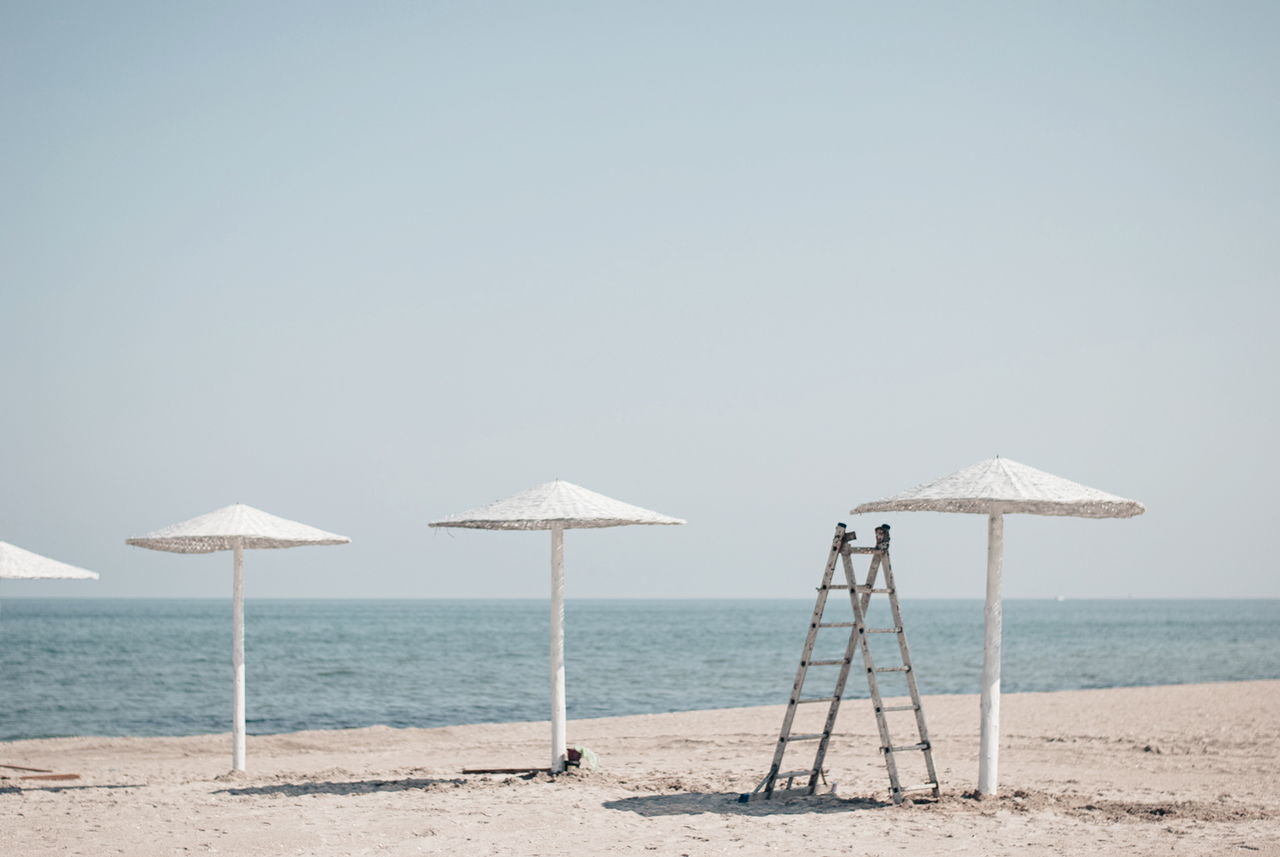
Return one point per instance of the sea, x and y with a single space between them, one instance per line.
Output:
73 666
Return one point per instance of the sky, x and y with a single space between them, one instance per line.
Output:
748 264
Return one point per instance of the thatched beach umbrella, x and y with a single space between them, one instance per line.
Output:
235 528
555 506
19 564
994 488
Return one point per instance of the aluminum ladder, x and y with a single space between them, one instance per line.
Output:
859 598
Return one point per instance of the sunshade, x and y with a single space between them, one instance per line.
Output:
555 506
19 564
994 488
235 528
225 528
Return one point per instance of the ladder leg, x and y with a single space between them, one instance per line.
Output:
882 724
911 676
841 680
770 780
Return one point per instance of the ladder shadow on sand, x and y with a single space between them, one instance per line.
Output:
351 787
728 803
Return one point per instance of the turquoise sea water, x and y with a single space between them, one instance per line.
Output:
162 667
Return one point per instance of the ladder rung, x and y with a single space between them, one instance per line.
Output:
923 787
813 737
923 745
835 586
873 591
835 624
791 775
897 708
891 670
827 663
884 630
815 699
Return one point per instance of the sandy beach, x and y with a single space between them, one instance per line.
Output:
1159 770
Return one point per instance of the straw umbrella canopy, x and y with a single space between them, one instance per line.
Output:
19 564
235 528
994 488
555 506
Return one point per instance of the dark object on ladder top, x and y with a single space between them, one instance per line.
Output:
882 537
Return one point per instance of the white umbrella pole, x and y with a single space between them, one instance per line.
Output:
989 751
558 753
237 661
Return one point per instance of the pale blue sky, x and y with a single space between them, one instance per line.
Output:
745 263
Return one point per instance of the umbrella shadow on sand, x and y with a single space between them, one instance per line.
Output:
727 803
13 790
357 787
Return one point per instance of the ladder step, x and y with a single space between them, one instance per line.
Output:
835 586
873 591
884 630
923 787
897 708
815 699
923 745
835 624
812 737
828 663
891 670
781 789
791 775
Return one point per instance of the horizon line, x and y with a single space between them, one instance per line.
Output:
1055 598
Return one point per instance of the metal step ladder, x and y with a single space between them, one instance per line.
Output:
859 598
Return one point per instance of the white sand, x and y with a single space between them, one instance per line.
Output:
1177 770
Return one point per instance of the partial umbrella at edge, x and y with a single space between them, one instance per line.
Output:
19 564
235 528
993 488
556 506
